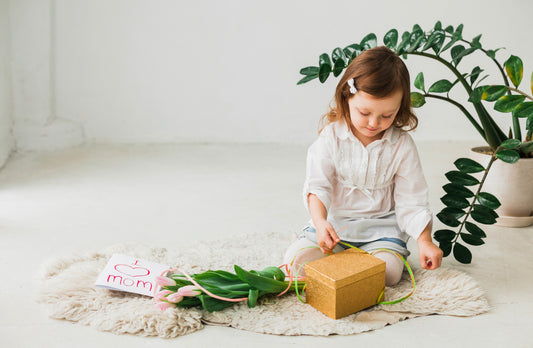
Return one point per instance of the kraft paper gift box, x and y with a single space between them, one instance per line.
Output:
344 283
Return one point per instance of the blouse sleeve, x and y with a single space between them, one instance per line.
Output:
411 192
320 170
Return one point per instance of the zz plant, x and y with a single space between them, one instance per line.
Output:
448 47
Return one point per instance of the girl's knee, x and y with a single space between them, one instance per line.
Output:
393 268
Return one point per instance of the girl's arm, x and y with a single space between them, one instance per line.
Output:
325 233
430 255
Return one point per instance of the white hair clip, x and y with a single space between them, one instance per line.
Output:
353 90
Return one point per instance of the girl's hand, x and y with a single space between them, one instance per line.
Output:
430 254
326 236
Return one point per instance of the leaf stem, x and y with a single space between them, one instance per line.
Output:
493 158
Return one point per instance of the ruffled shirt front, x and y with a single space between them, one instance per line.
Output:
374 191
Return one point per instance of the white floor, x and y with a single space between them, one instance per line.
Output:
93 196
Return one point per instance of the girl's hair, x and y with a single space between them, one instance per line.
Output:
378 72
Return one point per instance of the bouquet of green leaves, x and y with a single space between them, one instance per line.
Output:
216 290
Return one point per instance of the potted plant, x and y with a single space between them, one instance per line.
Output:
466 204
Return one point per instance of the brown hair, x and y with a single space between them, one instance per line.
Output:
378 72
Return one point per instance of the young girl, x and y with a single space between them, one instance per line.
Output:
364 183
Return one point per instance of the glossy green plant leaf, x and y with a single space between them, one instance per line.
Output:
438 26
458 190
483 217
456 50
309 71
352 51
460 178
488 200
453 212
471 239
485 210
462 53
475 74
448 220
253 295
511 144
391 39
508 156
467 165
449 29
405 42
258 282
212 304
324 67
523 110
307 79
474 229
435 39
515 69
369 41
526 147
476 95
337 54
475 42
444 235
338 67
441 86
492 93
417 99
507 103
446 248
415 40
419 81
462 254
454 201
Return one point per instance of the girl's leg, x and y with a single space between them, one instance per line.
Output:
394 266
299 252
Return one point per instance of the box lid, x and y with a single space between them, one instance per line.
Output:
346 267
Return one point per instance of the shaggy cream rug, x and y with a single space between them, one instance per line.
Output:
68 293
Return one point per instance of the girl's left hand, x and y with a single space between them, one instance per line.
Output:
430 254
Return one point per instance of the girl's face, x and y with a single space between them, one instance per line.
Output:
372 116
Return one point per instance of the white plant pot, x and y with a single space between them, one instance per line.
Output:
512 184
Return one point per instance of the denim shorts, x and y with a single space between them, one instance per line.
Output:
393 244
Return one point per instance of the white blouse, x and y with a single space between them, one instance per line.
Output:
374 189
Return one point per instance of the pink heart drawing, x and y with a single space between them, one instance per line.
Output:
132 271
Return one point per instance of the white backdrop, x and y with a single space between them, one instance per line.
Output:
220 71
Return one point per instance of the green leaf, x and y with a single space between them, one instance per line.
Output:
455 201
405 41
436 38
511 144
306 79
391 39
448 220
508 156
483 217
485 210
452 42
417 99
441 86
446 248
253 295
475 74
527 147
467 165
475 42
460 178
514 69
471 239
474 229
477 93
529 123
258 282
438 26
352 51
488 200
273 272
310 70
459 30
449 29
338 67
458 190
324 67
523 110
337 54
444 235
369 41
458 52
419 81
212 304
492 93
508 102
415 40
453 212
462 254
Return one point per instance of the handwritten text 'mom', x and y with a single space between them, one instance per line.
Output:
129 282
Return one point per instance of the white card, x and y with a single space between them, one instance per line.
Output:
126 273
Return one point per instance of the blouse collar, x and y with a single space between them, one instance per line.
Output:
343 132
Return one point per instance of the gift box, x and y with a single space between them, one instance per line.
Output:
344 283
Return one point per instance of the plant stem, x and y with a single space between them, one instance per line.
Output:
462 108
520 92
492 159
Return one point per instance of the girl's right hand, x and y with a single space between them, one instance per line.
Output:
326 236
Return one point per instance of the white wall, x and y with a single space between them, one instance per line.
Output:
172 70
6 140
